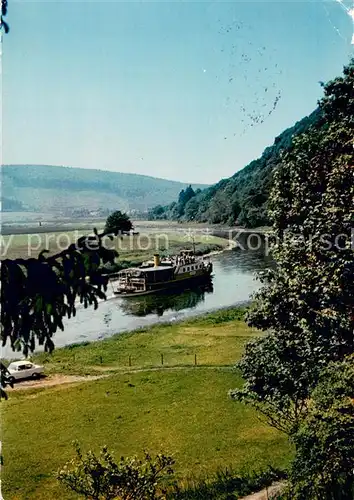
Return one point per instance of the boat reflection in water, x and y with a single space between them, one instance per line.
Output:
172 300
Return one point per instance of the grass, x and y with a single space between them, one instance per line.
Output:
186 413
177 409
217 339
132 249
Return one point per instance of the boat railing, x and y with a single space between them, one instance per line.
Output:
132 280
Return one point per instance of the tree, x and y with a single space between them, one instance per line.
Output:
118 222
307 301
191 209
101 477
278 372
36 294
158 212
323 468
183 198
188 194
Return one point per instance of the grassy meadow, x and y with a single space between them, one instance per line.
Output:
132 249
178 408
216 340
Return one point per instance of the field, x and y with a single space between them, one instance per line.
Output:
178 408
132 249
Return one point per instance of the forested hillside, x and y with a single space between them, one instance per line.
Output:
242 198
65 190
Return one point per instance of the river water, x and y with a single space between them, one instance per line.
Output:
233 283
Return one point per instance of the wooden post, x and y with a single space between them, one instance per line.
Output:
195 359
130 361
101 360
161 359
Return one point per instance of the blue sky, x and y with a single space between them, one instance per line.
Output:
169 89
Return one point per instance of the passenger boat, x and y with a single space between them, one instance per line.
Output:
158 275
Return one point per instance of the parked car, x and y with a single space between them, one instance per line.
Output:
19 370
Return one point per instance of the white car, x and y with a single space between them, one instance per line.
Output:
23 369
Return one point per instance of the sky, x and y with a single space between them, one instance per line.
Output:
190 91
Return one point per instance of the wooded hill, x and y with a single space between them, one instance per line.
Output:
242 198
64 190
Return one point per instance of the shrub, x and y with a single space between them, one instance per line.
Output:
101 478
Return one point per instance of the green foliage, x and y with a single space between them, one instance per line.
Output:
157 213
176 210
118 222
323 468
243 198
279 374
307 301
186 195
306 304
100 477
4 380
3 24
36 294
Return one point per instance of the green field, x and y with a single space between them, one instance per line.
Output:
178 408
133 249
215 340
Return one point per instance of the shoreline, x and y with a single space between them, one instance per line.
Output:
240 307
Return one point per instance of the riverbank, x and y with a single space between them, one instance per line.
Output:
215 339
180 407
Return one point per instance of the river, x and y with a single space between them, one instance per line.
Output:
233 283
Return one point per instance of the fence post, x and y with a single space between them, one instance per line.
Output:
101 360
195 359
161 359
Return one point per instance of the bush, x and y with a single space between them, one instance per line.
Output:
101 478
118 222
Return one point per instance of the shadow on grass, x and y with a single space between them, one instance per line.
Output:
225 485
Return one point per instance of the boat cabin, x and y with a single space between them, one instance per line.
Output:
141 279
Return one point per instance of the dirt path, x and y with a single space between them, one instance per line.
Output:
266 494
57 379
53 380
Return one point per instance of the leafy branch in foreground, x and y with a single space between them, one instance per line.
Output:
36 294
3 24
100 477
